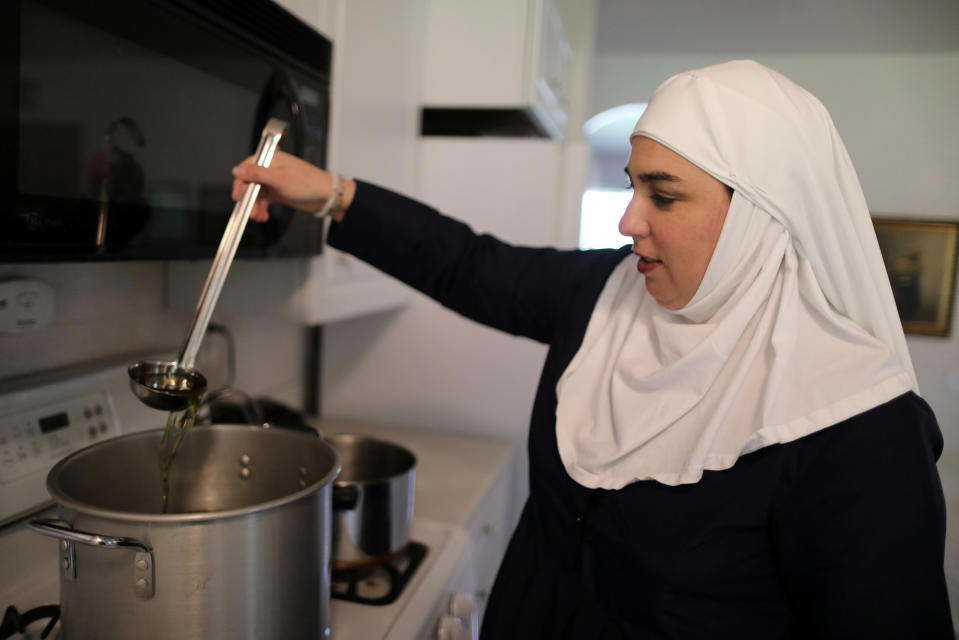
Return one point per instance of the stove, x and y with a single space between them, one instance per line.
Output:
432 605
378 582
16 622
417 593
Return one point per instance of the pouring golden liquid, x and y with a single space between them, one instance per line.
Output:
178 423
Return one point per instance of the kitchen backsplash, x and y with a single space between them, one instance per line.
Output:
115 310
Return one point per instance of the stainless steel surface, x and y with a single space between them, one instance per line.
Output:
166 386
142 577
372 499
258 544
63 531
174 390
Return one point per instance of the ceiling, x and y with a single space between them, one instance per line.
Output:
779 26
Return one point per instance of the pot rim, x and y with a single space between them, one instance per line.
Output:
66 501
349 436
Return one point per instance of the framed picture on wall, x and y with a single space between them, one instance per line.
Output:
920 259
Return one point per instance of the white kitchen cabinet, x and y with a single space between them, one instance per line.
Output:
498 55
490 528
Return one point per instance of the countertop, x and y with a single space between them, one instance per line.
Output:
453 471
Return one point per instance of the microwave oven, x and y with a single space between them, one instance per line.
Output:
123 118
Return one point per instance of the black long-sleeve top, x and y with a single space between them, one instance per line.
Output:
838 535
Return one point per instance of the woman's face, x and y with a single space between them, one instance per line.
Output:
674 218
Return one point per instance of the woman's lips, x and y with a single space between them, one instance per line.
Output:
644 265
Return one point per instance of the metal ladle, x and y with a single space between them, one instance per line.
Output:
173 386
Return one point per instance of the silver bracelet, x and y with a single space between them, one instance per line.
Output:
336 200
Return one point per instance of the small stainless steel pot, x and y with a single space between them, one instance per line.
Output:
244 552
372 499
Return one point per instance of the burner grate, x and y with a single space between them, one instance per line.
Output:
16 622
378 584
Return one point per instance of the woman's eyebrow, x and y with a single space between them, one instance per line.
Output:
654 176
659 176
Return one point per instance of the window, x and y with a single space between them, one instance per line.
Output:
605 201
599 218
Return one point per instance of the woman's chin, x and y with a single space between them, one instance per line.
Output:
664 298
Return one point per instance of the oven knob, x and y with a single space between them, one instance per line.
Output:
450 628
462 607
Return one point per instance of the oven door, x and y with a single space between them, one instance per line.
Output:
129 114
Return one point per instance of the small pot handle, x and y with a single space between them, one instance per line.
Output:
142 562
345 497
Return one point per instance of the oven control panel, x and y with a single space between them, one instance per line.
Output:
33 440
46 419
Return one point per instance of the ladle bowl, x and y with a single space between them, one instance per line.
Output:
166 386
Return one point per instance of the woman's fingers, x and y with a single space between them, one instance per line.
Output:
238 186
260 213
246 172
254 173
288 180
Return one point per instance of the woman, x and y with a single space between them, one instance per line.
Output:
726 440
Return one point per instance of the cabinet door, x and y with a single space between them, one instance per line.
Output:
553 67
490 529
510 55
477 53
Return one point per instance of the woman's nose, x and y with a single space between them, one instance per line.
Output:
634 222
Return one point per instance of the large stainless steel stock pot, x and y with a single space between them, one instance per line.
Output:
243 552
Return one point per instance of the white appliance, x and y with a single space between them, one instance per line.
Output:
46 419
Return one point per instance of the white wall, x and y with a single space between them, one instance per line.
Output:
101 311
424 365
116 312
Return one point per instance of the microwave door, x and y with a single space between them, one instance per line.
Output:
130 115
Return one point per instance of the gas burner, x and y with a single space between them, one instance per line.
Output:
378 584
16 622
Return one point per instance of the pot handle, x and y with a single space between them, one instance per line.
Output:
345 497
62 530
142 562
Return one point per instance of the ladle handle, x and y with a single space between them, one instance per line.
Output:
269 141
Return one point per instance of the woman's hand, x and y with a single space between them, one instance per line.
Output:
291 181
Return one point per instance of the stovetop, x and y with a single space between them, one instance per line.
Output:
16 622
382 582
50 420
445 566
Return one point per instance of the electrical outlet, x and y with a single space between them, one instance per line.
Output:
25 305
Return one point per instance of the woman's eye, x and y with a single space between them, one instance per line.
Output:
661 200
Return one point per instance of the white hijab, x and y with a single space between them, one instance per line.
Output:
793 327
